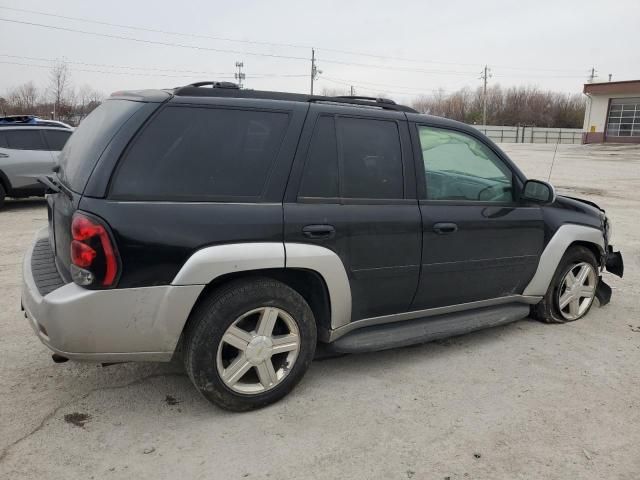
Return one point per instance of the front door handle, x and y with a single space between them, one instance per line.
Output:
445 228
319 232
4 155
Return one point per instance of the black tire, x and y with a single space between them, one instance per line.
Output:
215 314
548 310
3 195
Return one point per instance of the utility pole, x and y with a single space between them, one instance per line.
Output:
352 91
314 69
610 75
593 74
239 76
485 75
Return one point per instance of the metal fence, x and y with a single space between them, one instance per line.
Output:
530 134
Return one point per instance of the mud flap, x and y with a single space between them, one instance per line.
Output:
614 263
603 292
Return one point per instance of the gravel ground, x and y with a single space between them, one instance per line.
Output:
526 400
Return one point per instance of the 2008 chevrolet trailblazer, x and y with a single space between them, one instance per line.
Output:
238 228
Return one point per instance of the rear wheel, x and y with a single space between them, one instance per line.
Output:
249 344
572 289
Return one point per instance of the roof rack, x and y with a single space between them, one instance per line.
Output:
229 89
29 121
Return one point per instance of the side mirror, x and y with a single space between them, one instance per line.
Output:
537 191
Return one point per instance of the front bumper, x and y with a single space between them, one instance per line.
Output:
117 325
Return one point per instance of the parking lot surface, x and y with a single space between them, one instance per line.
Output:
525 400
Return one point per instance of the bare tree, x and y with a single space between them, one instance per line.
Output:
513 106
59 87
87 99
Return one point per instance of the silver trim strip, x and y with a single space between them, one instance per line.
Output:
429 312
211 262
328 264
553 252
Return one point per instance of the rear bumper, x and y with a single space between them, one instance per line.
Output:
132 324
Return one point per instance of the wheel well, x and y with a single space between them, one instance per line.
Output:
595 249
4 181
307 283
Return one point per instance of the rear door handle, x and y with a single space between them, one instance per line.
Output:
445 228
4 155
318 232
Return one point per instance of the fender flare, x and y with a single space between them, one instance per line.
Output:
554 251
209 263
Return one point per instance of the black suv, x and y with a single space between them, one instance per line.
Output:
238 228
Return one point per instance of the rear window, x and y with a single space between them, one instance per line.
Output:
56 139
81 153
194 153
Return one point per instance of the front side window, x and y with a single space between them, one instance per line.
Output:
25 140
192 153
460 168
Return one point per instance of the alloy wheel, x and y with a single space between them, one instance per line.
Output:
258 350
577 291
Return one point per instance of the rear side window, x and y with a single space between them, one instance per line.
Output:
56 139
191 154
81 153
25 140
3 140
353 158
372 158
321 168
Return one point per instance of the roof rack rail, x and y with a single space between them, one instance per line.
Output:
383 103
229 89
188 89
372 99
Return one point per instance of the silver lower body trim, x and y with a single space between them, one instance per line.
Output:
429 312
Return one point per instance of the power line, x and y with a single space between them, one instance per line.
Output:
271 44
154 30
152 42
229 76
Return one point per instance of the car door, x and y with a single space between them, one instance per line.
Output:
479 242
352 190
26 157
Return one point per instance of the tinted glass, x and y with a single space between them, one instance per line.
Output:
25 140
3 140
56 139
371 156
81 153
459 167
190 153
320 178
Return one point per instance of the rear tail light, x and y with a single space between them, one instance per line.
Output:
94 258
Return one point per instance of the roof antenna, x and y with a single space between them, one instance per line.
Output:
553 161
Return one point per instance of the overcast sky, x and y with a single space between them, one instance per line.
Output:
421 45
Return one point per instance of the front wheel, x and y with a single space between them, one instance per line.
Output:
3 194
250 343
572 289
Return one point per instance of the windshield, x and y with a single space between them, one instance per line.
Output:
82 151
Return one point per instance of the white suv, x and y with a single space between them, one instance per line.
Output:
29 147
